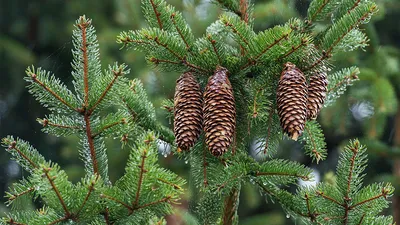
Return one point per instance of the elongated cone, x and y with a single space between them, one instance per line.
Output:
188 106
219 112
316 94
292 100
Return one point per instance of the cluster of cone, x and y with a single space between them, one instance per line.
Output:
214 111
298 101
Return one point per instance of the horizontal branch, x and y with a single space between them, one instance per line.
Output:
281 174
17 195
320 193
58 220
58 97
166 199
46 122
108 126
383 194
171 184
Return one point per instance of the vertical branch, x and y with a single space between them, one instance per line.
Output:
158 14
86 112
244 15
230 207
205 164
142 172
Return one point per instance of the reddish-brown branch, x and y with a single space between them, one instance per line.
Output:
166 199
304 42
58 220
281 174
106 216
234 30
352 76
362 219
327 53
117 201
13 145
383 194
15 196
140 182
354 6
157 61
83 26
318 11
244 10
316 153
179 31
329 198
158 14
310 214
254 60
170 184
123 121
157 41
46 122
58 97
230 207
12 221
227 182
55 189
90 191
215 49
91 144
109 86
186 63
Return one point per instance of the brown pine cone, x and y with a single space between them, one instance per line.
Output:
292 100
188 106
219 112
316 94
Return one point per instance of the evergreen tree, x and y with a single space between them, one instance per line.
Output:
252 63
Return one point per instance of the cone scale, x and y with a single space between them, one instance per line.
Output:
187 111
219 113
292 100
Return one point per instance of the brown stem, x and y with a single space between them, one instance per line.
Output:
354 6
243 10
329 198
12 221
58 220
90 191
362 219
13 145
310 214
281 174
58 97
227 182
327 53
142 172
383 194
318 11
117 201
215 49
91 144
165 45
171 184
55 189
234 30
304 42
157 14
230 207
83 26
15 196
46 122
106 216
116 75
353 75
107 127
316 153
179 31
166 199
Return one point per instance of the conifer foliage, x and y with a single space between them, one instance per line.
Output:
261 101
143 194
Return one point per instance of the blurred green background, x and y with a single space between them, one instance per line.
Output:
39 32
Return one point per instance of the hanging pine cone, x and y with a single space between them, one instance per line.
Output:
188 105
219 112
292 100
316 94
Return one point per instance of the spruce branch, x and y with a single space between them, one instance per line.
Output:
92 150
13 146
230 207
156 13
140 181
108 126
212 41
45 122
58 220
83 25
47 82
127 206
91 188
46 171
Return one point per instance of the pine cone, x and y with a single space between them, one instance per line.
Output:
292 100
316 94
219 112
188 105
